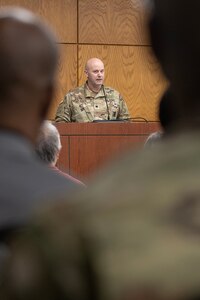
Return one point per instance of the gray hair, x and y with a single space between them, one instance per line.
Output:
48 143
153 139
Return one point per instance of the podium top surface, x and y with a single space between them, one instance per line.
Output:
107 128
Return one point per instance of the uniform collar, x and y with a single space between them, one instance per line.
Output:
90 94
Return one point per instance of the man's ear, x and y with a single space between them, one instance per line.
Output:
86 73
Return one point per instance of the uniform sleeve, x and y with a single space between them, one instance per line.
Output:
48 262
123 112
64 110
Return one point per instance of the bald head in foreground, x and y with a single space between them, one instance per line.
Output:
28 59
93 101
135 233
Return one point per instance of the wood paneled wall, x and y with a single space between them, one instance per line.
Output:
113 30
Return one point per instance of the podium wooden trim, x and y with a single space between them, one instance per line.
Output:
88 146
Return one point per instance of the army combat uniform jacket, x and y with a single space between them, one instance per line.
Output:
83 105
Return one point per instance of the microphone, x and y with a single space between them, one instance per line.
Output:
106 100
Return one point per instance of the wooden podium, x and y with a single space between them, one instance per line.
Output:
87 146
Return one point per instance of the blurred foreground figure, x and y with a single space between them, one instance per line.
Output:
28 59
135 234
168 117
153 139
48 148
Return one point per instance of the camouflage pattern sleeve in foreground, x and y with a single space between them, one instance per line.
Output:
138 226
48 263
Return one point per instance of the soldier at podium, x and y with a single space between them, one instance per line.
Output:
93 101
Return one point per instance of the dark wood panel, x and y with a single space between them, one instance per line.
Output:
88 146
133 71
88 154
112 22
60 14
64 162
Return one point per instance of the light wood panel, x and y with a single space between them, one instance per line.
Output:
133 71
60 14
112 22
119 29
66 76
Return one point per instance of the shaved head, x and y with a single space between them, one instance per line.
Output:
93 61
94 70
28 60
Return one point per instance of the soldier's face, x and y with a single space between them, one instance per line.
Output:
95 74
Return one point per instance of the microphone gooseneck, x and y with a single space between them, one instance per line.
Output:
106 100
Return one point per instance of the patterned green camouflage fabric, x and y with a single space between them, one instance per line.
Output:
82 105
137 227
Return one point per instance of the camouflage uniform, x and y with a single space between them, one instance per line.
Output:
83 105
136 228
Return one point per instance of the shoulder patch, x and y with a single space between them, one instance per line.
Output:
108 89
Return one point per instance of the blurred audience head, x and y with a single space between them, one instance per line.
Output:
48 144
175 35
28 59
168 115
153 139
